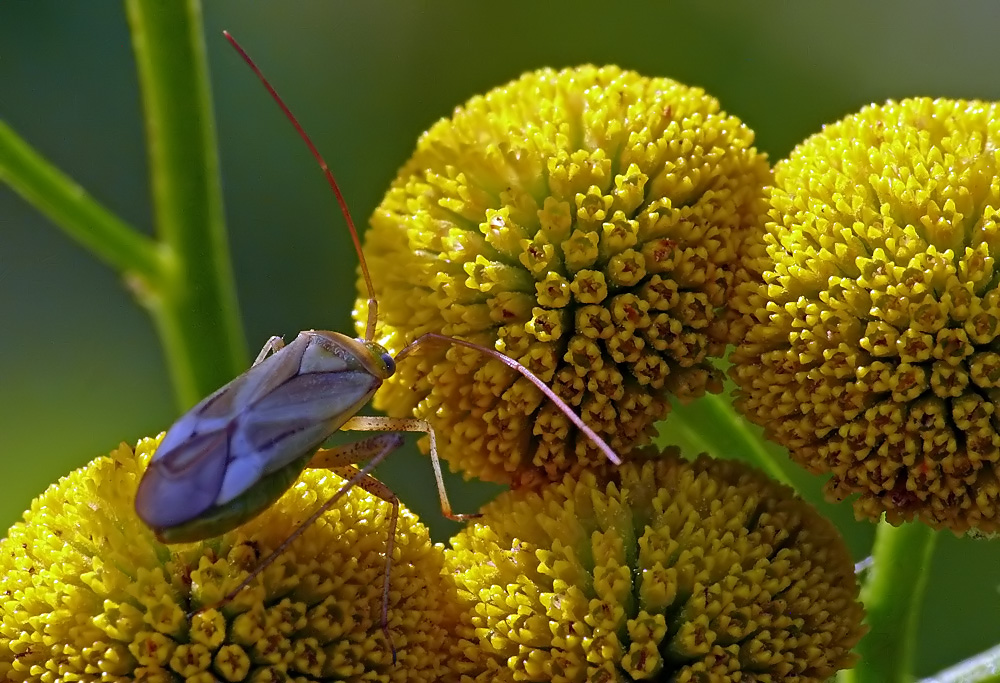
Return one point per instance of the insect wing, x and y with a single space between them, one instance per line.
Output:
292 420
220 410
301 414
184 485
189 468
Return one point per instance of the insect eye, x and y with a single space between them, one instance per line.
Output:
390 363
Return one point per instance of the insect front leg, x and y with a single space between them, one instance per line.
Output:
402 424
272 345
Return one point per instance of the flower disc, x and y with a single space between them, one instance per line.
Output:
87 593
703 571
873 352
587 223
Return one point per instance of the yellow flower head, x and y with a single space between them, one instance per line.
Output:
586 222
873 352
87 593
703 571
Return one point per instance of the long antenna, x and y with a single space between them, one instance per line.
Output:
372 303
434 338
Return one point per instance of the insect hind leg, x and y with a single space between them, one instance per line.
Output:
403 424
376 448
341 461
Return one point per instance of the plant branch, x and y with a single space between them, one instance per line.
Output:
893 594
712 424
196 310
981 668
69 206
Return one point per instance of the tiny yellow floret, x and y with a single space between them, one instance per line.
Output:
588 223
872 352
679 571
88 594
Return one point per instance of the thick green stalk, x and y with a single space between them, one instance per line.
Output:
750 445
196 309
893 594
53 193
712 424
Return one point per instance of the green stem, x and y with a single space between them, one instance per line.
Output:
196 310
982 668
53 193
893 595
712 424
750 445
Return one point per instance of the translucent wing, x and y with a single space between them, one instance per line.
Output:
265 419
175 489
187 472
292 420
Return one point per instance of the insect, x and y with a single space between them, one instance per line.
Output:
234 454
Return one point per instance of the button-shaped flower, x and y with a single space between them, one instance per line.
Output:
873 351
587 223
86 592
681 571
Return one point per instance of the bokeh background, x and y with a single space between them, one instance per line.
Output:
80 366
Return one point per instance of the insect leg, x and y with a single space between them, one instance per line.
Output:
377 446
272 345
402 424
341 462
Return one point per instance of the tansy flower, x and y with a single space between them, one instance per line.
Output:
873 351
585 222
86 592
703 571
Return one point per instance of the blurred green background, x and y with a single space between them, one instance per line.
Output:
80 366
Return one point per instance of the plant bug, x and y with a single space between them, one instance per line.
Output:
238 450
